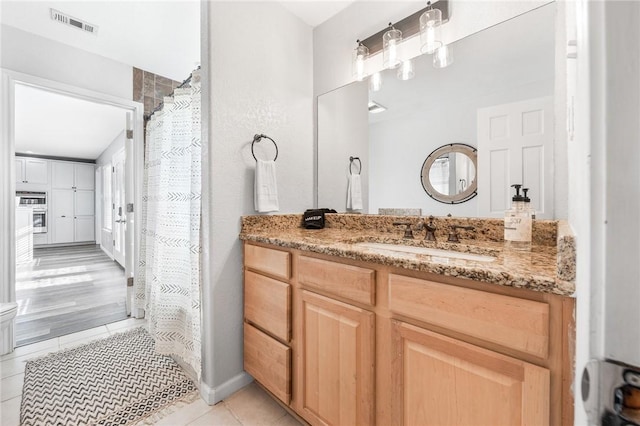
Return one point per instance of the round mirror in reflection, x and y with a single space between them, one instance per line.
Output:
449 174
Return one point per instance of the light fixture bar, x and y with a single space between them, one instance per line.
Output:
409 26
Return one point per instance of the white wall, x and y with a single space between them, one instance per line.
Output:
38 56
343 133
104 160
259 83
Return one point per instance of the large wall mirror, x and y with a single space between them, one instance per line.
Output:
394 130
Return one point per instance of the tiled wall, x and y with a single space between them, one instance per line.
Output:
150 88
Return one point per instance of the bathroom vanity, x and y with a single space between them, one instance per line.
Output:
354 325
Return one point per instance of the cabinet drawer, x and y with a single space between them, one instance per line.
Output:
267 260
267 304
514 323
351 282
268 361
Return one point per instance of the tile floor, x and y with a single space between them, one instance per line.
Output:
250 406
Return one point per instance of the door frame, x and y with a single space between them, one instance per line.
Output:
122 152
135 152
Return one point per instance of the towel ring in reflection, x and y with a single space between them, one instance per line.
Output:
351 160
257 138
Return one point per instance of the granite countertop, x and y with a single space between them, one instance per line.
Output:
548 267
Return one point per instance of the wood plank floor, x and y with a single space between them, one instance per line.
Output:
67 289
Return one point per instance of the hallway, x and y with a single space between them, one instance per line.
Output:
65 290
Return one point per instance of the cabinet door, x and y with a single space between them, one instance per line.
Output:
37 171
85 176
19 170
84 229
61 216
62 174
62 229
337 362
442 381
85 203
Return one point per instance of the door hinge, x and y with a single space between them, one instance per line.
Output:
113 207
129 134
113 169
114 242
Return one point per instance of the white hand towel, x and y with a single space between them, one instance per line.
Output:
266 188
354 193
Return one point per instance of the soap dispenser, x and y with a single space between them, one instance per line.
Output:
527 204
517 223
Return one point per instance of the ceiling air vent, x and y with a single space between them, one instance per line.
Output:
375 108
63 18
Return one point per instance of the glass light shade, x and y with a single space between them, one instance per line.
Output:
391 48
405 72
430 31
360 55
443 57
375 82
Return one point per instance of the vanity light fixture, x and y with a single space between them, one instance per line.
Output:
443 57
430 29
375 81
360 55
405 72
391 47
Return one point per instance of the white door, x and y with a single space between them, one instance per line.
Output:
118 162
61 216
515 145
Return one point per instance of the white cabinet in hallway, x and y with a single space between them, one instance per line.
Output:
84 228
62 175
72 202
62 210
67 175
31 173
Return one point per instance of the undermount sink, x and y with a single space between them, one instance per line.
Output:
427 251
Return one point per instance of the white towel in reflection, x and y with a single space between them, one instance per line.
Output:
354 193
266 189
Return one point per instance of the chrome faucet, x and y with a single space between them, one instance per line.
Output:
453 233
408 232
430 230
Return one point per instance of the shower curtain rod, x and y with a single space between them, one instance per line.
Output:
179 86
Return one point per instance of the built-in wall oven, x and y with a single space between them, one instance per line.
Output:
38 202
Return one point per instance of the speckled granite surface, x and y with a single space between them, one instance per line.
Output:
547 268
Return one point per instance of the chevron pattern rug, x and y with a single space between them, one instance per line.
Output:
119 380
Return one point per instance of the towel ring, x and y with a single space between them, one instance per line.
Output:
351 160
257 138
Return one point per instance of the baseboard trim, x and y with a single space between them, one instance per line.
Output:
217 394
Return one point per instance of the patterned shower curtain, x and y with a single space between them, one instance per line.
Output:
168 284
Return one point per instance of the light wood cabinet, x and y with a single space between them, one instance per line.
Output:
267 316
509 321
337 357
441 381
268 361
266 304
375 344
